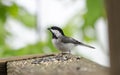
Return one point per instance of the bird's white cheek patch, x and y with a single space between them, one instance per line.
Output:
56 32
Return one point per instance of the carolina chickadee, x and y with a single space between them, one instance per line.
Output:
62 42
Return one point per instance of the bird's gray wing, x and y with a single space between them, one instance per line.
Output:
69 40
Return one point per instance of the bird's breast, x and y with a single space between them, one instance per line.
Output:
62 46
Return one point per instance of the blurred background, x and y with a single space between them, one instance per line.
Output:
24 23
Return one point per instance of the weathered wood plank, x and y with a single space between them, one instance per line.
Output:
3 68
4 61
55 65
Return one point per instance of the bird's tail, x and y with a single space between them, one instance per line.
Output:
88 46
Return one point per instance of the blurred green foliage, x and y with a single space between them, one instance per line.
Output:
95 10
14 11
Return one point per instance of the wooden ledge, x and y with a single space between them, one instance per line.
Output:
53 64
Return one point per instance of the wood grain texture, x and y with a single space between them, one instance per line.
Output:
55 65
4 61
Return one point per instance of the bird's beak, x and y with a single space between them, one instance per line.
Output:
49 29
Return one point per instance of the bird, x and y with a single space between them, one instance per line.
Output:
63 42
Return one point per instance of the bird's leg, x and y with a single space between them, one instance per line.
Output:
61 54
69 52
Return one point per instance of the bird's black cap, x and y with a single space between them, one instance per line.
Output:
56 28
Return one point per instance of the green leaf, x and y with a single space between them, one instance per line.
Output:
3 12
26 18
13 10
94 11
2 34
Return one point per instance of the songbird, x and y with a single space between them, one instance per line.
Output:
63 42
